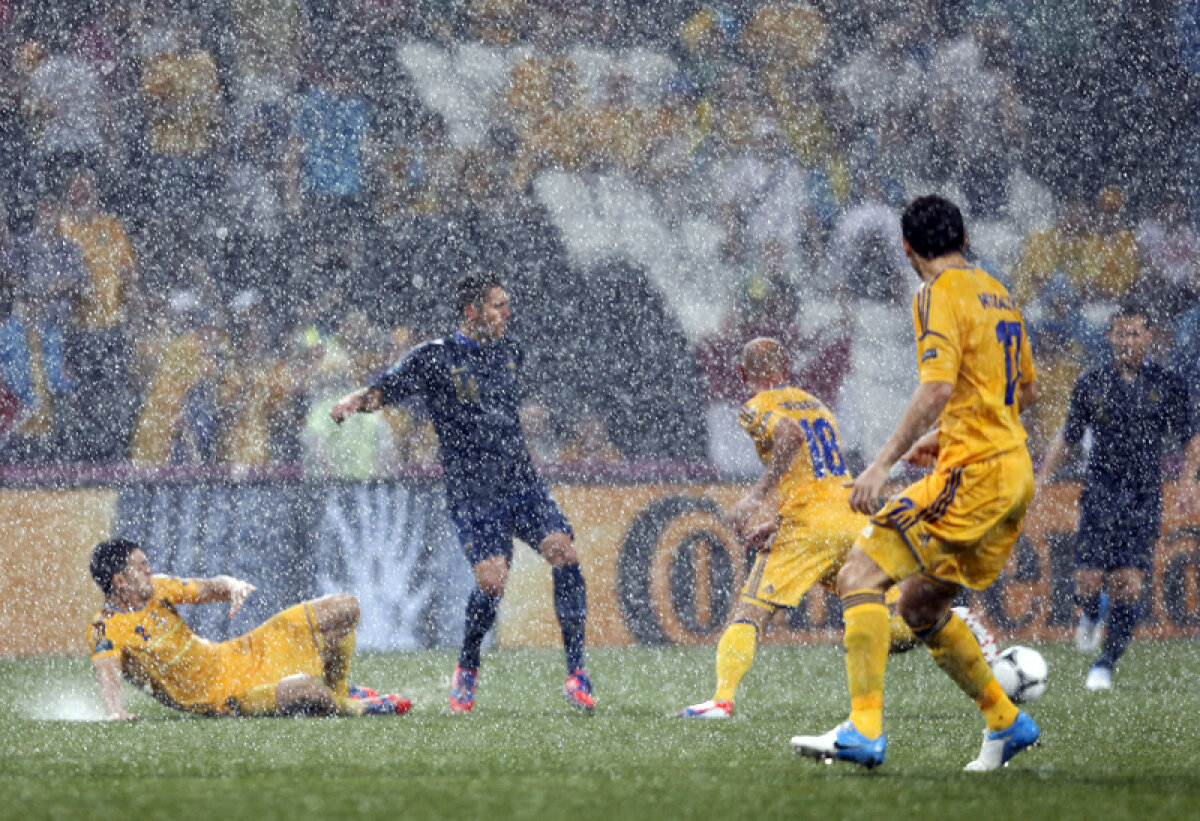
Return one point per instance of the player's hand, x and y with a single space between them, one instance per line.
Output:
1188 497
922 455
747 511
347 406
867 489
239 591
924 452
758 536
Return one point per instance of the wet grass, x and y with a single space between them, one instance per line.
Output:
1131 753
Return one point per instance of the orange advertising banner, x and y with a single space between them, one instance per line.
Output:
663 567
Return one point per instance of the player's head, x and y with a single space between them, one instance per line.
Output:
119 560
482 300
932 227
765 363
1129 335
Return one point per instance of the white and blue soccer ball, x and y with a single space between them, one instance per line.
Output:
1022 672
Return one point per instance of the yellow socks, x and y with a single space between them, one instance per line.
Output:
735 654
956 651
866 641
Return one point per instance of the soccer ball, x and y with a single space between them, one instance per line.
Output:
1022 672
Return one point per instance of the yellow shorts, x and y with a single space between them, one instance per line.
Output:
808 547
956 525
286 644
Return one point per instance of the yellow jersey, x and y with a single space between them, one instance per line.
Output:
971 335
818 472
157 649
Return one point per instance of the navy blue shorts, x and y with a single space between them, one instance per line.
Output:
1105 547
486 530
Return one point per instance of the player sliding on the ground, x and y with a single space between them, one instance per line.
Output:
797 517
295 663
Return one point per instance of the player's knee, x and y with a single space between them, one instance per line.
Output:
559 550
347 608
920 605
745 611
491 577
853 575
337 611
1127 586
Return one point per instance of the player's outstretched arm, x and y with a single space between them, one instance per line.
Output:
1189 485
363 400
1056 454
786 441
224 588
108 682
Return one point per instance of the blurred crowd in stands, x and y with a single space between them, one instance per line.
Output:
218 215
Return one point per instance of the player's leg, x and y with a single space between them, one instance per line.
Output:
336 617
491 576
570 607
900 636
1125 599
925 605
570 595
485 538
1093 544
891 549
539 521
862 585
291 696
735 650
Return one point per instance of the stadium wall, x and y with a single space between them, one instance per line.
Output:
661 562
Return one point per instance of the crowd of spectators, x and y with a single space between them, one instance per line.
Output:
215 215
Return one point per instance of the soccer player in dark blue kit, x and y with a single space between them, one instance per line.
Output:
1133 407
470 383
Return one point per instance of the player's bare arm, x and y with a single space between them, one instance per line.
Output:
1056 454
224 588
786 442
108 682
363 400
924 452
1028 396
1189 486
923 409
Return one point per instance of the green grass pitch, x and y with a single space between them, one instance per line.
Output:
1131 753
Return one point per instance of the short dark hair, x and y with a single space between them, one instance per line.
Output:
473 288
110 558
933 227
1130 309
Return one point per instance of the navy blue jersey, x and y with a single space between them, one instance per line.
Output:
472 392
1131 423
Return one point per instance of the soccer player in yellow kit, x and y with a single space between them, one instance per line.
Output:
295 663
797 516
955 527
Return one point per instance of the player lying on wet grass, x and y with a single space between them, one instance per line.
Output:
295 663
